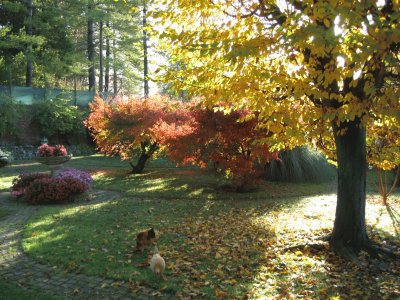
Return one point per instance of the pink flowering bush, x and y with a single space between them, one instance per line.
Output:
40 188
79 175
59 150
46 150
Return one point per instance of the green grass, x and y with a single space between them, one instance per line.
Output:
3 213
161 182
12 292
208 240
211 239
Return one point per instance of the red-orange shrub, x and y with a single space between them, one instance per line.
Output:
124 128
202 136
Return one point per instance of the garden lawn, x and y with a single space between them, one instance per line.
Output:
209 245
11 292
215 243
3 213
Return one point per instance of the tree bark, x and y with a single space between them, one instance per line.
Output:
101 57
115 75
145 56
9 67
144 156
29 32
90 48
107 69
141 163
349 234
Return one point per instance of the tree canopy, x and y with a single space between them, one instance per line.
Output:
51 38
315 71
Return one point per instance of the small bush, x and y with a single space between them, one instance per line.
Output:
56 117
82 176
53 190
23 181
40 188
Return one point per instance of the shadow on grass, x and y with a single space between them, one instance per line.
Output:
206 244
394 216
195 184
321 274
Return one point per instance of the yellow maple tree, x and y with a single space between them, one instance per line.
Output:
316 71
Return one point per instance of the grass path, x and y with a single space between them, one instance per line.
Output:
47 281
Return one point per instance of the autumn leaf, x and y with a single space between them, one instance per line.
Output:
219 294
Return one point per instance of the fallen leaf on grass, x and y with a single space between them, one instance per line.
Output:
219 294
142 265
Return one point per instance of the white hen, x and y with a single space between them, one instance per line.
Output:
157 264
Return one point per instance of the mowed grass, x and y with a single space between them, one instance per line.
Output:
12 292
231 246
213 241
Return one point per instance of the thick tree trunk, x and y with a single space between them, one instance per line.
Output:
29 32
90 49
147 151
349 234
145 58
141 163
101 57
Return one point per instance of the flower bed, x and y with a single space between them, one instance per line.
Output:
40 188
50 151
82 176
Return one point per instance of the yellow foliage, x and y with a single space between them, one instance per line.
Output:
284 66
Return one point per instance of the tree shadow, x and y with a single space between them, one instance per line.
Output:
394 216
211 243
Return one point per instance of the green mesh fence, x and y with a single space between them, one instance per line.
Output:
29 95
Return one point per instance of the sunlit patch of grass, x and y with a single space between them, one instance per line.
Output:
311 273
236 246
6 182
196 184
211 239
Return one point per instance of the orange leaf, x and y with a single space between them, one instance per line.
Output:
219 294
